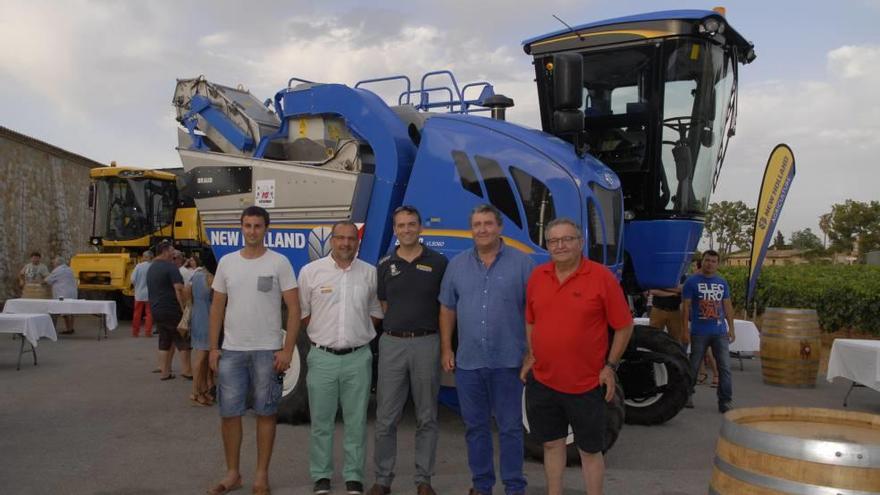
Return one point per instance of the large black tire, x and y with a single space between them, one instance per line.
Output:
655 375
294 406
614 420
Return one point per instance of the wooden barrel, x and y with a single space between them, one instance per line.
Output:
790 347
784 450
36 291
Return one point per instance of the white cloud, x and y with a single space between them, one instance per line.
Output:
832 125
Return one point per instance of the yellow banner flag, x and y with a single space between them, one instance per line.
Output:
774 188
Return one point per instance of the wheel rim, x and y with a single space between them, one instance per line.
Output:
661 377
291 376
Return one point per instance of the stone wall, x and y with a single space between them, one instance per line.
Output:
43 204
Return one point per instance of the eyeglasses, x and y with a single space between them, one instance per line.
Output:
562 240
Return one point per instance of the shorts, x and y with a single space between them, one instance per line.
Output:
245 375
168 335
551 412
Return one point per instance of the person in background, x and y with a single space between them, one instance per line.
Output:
665 312
142 297
165 287
706 307
32 277
186 266
63 287
199 293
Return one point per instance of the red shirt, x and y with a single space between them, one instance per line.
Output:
570 324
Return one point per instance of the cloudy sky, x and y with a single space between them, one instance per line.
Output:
96 76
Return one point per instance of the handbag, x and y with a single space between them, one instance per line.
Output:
184 326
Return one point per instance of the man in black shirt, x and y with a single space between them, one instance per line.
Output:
165 289
409 350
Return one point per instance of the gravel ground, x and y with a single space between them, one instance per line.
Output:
92 419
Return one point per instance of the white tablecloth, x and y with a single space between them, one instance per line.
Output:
856 360
32 326
748 339
65 307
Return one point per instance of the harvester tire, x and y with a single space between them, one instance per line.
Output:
614 419
655 375
294 406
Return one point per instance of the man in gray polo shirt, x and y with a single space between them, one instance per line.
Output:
409 350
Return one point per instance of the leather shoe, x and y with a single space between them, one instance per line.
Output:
378 489
425 489
474 491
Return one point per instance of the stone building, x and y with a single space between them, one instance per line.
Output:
43 204
773 257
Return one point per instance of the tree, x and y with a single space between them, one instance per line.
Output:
729 224
805 240
825 227
854 225
779 241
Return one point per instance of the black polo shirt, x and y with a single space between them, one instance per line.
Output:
411 290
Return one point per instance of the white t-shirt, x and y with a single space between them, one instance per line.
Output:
186 274
253 307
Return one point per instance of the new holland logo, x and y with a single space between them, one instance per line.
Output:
319 242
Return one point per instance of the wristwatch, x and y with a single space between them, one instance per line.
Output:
613 365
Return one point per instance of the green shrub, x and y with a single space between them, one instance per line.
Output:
845 296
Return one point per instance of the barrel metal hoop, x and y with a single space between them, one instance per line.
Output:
789 311
779 484
821 451
792 361
766 335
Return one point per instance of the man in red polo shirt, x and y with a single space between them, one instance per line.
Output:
570 303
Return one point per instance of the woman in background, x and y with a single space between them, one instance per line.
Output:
200 293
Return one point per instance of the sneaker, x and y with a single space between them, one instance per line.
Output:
322 486
378 489
425 489
690 402
354 487
724 407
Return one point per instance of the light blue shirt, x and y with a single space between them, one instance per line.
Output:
63 282
139 279
490 307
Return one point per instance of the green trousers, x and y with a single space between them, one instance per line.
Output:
338 381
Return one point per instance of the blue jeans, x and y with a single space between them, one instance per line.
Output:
721 351
484 393
241 372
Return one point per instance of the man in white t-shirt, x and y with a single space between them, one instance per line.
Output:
248 288
340 307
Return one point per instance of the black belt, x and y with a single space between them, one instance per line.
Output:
408 334
338 352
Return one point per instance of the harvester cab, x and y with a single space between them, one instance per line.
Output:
652 96
132 209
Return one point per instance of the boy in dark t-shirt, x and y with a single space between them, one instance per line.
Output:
708 313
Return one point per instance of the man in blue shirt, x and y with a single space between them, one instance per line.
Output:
705 307
483 292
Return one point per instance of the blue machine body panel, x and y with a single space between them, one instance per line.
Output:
661 249
436 186
370 119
